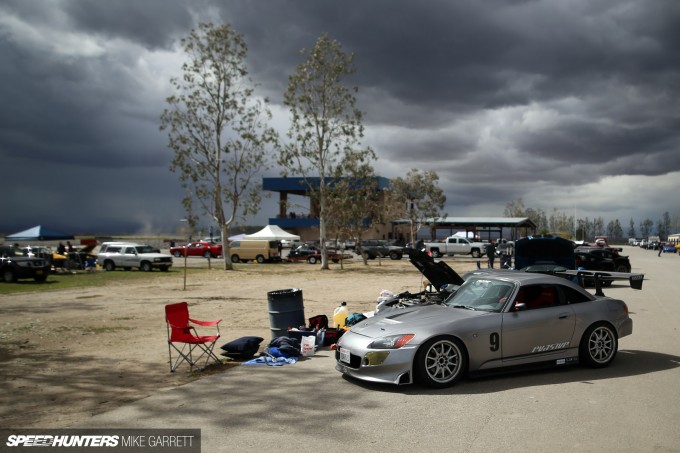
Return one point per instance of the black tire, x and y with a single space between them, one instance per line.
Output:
164 268
440 363
235 259
260 259
145 266
476 253
40 278
109 266
177 254
395 255
8 276
598 346
312 260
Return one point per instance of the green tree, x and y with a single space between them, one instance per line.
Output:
326 125
420 197
355 204
515 208
631 228
217 128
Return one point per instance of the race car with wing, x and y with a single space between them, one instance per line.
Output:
495 320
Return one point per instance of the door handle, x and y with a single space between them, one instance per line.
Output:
563 315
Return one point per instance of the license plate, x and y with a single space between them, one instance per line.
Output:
344 355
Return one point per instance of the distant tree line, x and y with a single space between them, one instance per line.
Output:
586 229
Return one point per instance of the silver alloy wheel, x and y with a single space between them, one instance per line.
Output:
443 361
601 345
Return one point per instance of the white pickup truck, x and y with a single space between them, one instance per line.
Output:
455 245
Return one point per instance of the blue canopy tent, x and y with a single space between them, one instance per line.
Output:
39 233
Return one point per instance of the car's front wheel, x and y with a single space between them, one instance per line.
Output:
476 253
8 276
235 259
598 346
395 255
440 362
177 253
311 260
145 267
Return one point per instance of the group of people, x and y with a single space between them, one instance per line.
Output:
62 249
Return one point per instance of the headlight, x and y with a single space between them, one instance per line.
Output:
391 342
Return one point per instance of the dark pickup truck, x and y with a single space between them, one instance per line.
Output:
374 248
14 266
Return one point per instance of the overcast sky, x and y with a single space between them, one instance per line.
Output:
571 105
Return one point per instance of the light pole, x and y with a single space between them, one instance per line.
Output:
185 257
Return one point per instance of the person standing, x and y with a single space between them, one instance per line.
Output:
491 253
660 248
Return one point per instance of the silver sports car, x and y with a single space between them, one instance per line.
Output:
493 321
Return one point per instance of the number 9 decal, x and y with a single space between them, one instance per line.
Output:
495 341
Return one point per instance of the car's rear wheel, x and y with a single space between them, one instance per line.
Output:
235 259
145 267
8 276
260 259
395 255
440 362
311 260
109 266
476 253
598 346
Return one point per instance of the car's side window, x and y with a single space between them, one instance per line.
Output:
535 297
571 296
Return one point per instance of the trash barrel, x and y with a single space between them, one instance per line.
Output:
285 310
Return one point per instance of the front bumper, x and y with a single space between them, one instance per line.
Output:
391 366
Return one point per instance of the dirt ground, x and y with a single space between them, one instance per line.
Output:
69 354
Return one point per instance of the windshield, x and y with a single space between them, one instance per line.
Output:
481 294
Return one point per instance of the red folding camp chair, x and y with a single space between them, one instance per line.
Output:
181 331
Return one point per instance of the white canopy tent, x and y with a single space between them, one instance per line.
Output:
273 233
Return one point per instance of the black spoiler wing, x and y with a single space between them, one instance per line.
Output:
634 280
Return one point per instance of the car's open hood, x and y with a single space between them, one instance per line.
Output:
438 273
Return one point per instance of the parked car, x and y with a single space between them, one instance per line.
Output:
374 248
495 320
669 248
14 266
128 255
312 254
198 248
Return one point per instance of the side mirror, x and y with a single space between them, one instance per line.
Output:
520 306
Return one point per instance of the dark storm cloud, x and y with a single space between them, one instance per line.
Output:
504 99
